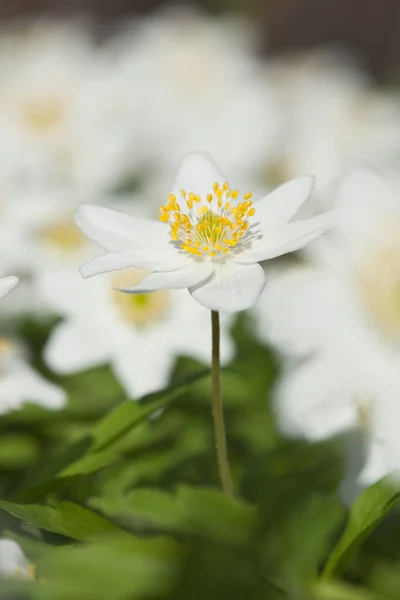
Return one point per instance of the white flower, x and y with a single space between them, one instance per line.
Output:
7 284
139 335
334 116
197 81
20 384
42 70
210 243
13 562
339 323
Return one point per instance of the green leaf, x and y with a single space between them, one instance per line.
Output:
67 518
18 451
370 508
204 512
129 414
117 568
90 464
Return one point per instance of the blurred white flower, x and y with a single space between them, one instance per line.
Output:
42 69
7 284
13 562
139 335
37 230
338 321
212 246
19 383
197 83
334 116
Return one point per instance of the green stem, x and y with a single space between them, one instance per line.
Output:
217 410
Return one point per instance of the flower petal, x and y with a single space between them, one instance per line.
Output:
75 347
7 284
12 560
303 310
31 387
116 231
363 199
232 287
151 259
286 239
143 366
197 173
278 207
190 275
313 402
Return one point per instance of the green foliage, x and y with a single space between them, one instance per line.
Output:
119 499
369 509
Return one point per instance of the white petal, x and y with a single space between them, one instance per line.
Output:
232 287
13 562
144 366
33 388
305 309
197 173
278 207
150 259
314 401
193 274
72 347
116 231
363 199
286 239
7 284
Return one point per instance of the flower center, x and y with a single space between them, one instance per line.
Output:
42 114
140 310
65 235
379 286
213 225
30 572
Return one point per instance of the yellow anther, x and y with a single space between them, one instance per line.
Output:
210 229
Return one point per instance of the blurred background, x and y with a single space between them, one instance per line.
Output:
370 27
